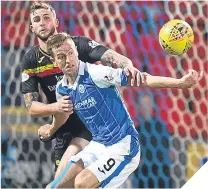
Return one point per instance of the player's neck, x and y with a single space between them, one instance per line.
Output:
72 78
42 43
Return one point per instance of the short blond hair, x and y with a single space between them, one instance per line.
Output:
41 5
56 40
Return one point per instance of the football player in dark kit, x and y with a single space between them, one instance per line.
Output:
38 68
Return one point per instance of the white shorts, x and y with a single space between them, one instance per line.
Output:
111 164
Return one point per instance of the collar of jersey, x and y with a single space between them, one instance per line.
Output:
43 52
80 72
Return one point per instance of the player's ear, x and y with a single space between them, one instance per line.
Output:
53 60
76 52
55 64
57 22
31 28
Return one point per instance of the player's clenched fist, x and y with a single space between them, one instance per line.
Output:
64 105
45 131
190 79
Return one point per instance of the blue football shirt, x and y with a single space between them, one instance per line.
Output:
98 103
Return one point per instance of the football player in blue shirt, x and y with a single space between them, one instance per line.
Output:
114 152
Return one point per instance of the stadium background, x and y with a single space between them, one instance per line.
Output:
172 123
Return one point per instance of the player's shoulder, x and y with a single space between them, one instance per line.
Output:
80 39
96 70
32 52
60 89
93 67
101 71
60 82
59 85
29 59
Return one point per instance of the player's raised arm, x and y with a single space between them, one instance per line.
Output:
104 76
186 81
112 57
92 51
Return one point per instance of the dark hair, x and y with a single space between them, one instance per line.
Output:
41 5
56 41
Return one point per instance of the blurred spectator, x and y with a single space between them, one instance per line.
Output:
154 169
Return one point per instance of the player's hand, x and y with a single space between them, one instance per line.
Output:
45 131
64 105
136 75
190 79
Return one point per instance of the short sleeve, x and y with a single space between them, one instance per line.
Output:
105 76
29 82
88 49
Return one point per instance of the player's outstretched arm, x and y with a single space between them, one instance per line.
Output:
48 130
39 109
104 76
114 58
186 81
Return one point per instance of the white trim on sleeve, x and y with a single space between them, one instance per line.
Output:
104 76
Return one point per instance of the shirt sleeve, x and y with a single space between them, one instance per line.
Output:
29 82
88 49
105 76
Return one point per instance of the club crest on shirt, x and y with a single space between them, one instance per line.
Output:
81 88
93 44
25 77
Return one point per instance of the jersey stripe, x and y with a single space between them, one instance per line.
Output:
49 72
38 70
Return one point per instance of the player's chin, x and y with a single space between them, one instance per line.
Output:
69 71
46 35
43 37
